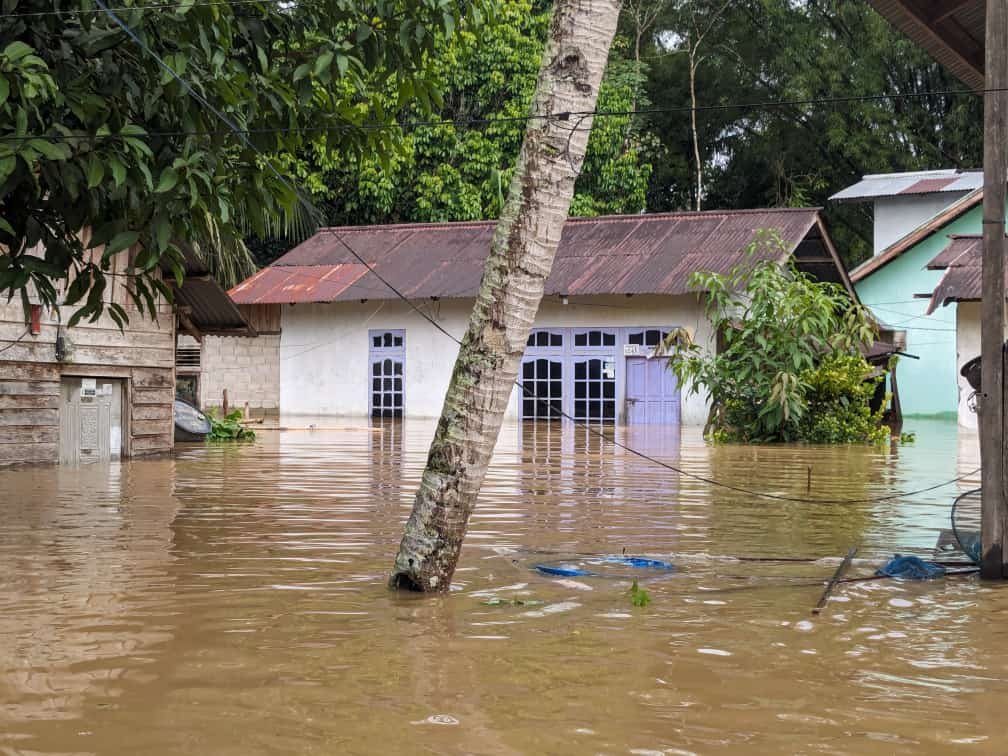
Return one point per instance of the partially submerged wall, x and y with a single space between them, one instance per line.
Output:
141 355
248 367
324 348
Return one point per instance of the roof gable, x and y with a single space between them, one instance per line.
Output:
932 226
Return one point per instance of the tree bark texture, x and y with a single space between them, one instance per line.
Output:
521 256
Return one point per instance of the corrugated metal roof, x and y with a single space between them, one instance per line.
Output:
919 182
962 250
952 33
962 260
637 254
926 229
209 307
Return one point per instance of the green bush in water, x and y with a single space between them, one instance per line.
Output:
788 365
839 394
228 428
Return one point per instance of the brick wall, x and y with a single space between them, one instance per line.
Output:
249 368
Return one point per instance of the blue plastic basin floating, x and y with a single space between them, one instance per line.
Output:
563 571
582 567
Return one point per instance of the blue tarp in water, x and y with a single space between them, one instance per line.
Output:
585 567
911 568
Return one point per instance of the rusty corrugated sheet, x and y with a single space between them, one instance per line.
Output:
639 254
210 308
967 248
962 260
874 186
928 186
297 283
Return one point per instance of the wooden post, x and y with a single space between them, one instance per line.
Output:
992 334
224 405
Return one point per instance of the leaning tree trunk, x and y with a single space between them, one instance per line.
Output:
521 256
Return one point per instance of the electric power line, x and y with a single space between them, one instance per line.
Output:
409 126
17 340
130 8
527 392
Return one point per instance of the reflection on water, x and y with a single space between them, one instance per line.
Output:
232 601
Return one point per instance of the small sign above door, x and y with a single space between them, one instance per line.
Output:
88 387
634 350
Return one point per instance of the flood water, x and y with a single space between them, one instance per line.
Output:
233 601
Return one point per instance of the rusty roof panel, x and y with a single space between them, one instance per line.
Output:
298 284
633 254
962 260
927 186
961 250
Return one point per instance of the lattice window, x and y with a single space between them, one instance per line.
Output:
594 338
545 339
542 389
595 389
651 337
388 361
387 339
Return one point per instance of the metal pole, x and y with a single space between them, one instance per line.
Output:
992 409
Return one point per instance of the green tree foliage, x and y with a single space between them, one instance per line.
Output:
788 366
456 164
95 134
776 50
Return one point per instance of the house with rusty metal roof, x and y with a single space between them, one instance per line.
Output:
914 215
960 289
350 346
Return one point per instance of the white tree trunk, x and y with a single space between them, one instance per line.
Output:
521 257
693 128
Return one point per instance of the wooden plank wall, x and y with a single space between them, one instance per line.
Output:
264 318
143 354
29 411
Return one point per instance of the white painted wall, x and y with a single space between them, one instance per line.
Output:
895 217
967 347
324 366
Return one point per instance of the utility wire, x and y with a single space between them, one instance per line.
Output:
17 340
409 126
526 391
129 8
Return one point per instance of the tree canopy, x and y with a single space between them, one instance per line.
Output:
413 110
810 52
96 134
457 165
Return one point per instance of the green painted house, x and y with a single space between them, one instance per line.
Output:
915 214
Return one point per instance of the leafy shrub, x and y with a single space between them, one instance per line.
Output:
839 392
228 428
788 365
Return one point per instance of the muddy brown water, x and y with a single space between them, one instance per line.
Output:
233 601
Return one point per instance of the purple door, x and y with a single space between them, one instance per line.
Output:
652 392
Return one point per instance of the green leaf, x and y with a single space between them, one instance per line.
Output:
167 181
95 171
119 242
323 62
118 171
50 150
4 89
7 166
17 50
